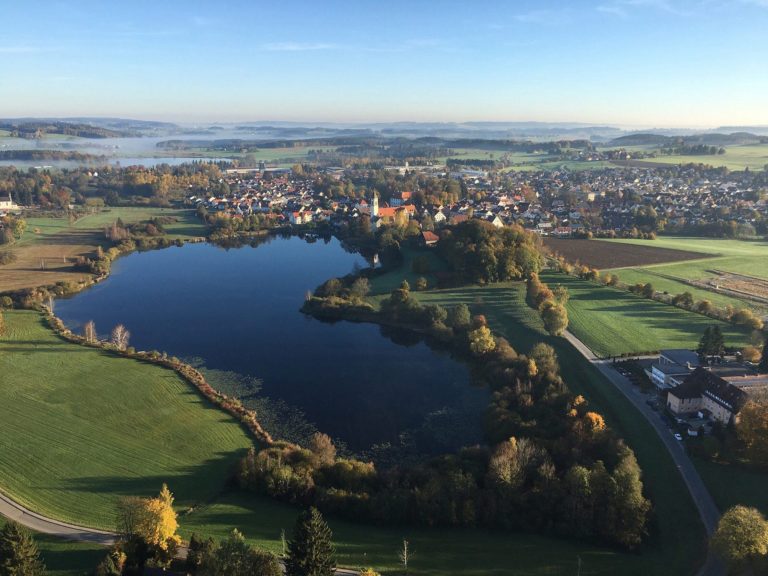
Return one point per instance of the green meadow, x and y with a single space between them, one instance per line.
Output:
613 322
736 256
80 427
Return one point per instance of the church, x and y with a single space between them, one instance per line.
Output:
8 206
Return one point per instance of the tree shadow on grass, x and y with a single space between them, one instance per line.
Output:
192 485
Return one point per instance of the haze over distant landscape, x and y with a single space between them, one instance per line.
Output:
356 288
632 63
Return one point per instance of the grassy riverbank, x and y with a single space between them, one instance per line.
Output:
80 427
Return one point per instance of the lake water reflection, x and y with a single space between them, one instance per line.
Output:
238 310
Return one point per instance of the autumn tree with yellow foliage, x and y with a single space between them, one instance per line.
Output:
148 528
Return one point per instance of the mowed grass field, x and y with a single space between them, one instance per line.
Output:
80 427
613 322
57 243
64 558
735 256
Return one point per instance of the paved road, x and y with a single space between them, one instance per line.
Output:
710 514
38 523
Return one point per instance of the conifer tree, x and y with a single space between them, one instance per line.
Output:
763 366
19 555
310 552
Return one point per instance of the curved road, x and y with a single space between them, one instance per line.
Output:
710 514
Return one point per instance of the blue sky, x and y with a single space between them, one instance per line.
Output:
627 62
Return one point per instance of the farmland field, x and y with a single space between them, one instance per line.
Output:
613 322
602 255
80 427
57 243
736 257
754 157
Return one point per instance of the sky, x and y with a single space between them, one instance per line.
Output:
651 63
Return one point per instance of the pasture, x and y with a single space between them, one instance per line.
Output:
752 156
80 427
613 322
741 257
50 246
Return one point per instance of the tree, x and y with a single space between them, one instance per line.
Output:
741 537
322 447
89 331
120 337
763 366
712 342
234 557
648 290
752 429
459 316
113 563
310 551
684 300
421 283
360 288
148 526
19 555
555 318
405 555
199 552
481 341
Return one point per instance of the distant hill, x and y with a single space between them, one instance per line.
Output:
708 138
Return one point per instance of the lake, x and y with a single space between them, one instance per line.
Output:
238 311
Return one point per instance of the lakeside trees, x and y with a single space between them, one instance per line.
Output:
550 463
120 337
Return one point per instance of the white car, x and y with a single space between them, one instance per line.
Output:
678 436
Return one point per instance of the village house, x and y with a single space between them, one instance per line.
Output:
710 395
672 367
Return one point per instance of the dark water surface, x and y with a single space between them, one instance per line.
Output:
238 310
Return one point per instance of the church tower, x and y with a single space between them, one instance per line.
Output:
375 205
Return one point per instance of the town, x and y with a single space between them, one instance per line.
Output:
619 202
